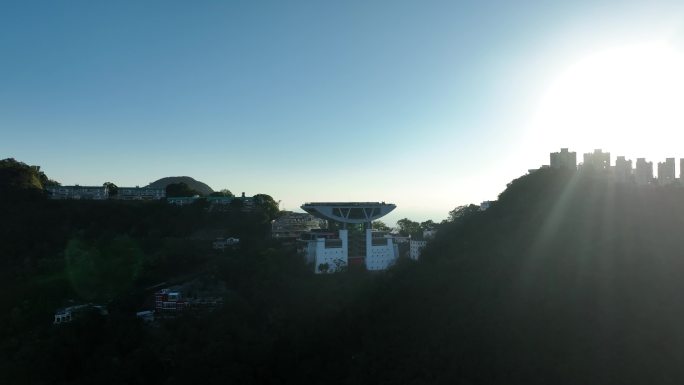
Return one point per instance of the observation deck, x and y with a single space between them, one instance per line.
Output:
349 212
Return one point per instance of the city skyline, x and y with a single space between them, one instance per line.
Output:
426 104
603 160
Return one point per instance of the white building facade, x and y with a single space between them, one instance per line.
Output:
416 248
337 250
330 255
78 192
381 252
140 193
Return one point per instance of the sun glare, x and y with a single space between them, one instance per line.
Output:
628 100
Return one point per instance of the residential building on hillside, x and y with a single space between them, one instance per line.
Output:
623 169
643 174
429 234
219 200
68 314
172 300
225 243
78 192
416 248
243 202
182 201
666 171
564 159
169 300
293 225
597 160
140 193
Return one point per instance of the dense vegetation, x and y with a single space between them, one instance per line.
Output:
19 179
568 278
192 184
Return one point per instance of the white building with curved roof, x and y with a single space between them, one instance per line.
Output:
349 212
355 243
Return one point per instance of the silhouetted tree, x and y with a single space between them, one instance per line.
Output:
408 227
428 225
180 190
266 204
111 188
461 212
381 226
222 193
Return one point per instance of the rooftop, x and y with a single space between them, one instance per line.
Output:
349 212
346 204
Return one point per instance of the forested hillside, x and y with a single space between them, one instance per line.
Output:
568 278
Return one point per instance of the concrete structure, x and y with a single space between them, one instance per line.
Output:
643 174
220 200
623 169
182 201
355 243
293 225
597 160
140 193
172 301
381 251
681 169
328 254
243 202
429 234
78 192
225 243
67 314
349 212
666 171
63 316
416 248
169 300
146 316
564 160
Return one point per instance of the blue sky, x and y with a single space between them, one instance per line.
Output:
420 103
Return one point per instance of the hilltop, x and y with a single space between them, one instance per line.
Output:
192 183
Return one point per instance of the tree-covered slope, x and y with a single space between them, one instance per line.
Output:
568 278
18 178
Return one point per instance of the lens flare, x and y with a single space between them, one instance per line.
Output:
627 100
